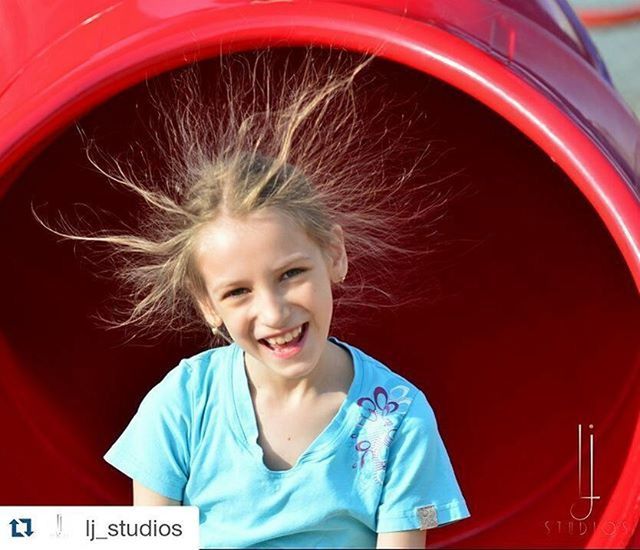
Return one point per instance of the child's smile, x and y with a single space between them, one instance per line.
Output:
270 284
288 344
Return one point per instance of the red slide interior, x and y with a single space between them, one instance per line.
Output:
532 329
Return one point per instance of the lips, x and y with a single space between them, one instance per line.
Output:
290 348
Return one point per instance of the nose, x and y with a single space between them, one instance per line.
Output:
272 309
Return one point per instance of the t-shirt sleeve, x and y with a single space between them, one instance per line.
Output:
420 490
154 448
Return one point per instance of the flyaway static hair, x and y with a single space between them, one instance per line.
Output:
288 136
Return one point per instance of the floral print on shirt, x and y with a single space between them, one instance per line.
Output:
380 414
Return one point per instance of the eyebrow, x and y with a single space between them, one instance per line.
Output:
230 283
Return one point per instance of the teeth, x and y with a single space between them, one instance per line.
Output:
285 338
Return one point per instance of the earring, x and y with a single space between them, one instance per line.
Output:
217 332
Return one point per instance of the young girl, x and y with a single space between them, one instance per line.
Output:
286 436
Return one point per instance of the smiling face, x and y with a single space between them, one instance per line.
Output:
270 284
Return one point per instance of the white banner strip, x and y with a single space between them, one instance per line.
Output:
97 527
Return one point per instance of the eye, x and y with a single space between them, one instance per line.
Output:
235 293
292 272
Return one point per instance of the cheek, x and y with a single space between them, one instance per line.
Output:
322 298
234 320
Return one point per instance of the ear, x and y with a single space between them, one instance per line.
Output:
209 313
338 262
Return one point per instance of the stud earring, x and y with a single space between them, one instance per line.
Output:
218 332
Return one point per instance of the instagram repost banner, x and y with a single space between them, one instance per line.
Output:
86 527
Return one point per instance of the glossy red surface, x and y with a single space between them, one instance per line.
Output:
537 329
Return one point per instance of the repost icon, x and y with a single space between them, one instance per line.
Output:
21 527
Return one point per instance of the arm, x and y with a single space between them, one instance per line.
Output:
402 539
154 449
146 497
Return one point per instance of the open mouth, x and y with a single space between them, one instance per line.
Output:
286 345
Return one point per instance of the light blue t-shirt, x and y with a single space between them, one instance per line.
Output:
378 466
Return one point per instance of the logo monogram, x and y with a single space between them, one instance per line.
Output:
590 497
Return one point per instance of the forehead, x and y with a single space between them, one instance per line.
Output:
230 246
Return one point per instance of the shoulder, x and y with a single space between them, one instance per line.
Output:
191 377
382 387
393 417
209 362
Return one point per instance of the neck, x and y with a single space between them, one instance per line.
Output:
270 385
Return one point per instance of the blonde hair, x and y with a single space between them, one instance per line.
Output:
291 139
